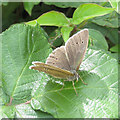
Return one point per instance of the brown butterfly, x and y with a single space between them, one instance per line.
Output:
64 61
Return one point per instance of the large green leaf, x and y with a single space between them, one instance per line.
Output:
98 99
87 11
21 44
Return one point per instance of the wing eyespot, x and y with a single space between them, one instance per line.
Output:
52 56
82 42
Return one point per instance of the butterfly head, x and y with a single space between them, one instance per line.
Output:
76 75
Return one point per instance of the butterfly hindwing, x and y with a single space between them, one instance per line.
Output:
58 58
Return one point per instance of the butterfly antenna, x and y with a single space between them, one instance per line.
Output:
82 80
74 88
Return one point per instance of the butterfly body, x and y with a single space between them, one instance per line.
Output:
64 61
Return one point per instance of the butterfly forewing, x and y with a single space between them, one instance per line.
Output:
58 59
76 47
51 70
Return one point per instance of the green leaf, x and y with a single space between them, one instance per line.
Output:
115 48
65 4
110 33
87 11
114 55
21 111
8 14
53 18
4 3
4 98
32 23
21 44
26 111
97 40
66 32
0 61
115 4
29 6
7 111
98 99
110 20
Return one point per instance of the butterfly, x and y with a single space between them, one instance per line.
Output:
65 61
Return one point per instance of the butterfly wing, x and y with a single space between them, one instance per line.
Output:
76 47
51 70
58 59
65 58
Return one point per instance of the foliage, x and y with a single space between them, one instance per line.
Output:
27 93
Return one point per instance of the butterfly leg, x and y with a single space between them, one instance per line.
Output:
82 80
74 88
